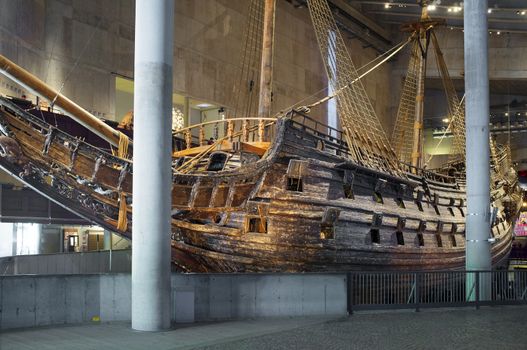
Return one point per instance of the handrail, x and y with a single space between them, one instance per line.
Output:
179 131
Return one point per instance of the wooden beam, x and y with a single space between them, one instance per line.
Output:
77 113
258 148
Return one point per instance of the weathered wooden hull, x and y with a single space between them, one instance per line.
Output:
302 207
292 240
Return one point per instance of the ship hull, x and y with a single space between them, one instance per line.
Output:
418 228
304 206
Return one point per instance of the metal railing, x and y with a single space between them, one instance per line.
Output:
430 289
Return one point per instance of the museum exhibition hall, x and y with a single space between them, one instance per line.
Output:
263 174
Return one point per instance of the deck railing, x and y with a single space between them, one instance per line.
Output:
232 129
431 289
334 141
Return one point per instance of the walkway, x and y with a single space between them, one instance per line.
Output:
488 328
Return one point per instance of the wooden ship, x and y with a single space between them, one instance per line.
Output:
285 193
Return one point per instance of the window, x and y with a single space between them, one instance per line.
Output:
400 202
462 212
348 191
217 218
400 238
439 241
294 184
375 236
327 231
327 225
420 239
453 240
377 192
256 225
217 161
419 205
451 211
377 197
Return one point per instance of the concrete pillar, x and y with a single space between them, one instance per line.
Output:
61 240
107 240
151 304
14 239
478 255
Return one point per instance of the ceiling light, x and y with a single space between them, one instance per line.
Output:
498 33
489 11
204 105
449 9
431 7
522 13
446 120
387 5
506 114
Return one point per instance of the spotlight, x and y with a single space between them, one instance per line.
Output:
498 33
489 11
522 13
387 5
446 120
431 7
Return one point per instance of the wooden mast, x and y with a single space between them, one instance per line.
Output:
423 39
76 112
266 68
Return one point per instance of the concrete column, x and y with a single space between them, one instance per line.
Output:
152 165
478 255
14 239
107 240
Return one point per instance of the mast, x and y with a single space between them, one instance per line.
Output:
423 41
266 68
76 112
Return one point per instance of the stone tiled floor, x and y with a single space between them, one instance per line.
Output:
488 328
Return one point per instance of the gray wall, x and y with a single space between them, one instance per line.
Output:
29 301
103 261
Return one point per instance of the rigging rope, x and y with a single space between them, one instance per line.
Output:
341 90
367 142
76 61
460 110
245 90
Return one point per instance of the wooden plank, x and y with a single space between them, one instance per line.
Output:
258 148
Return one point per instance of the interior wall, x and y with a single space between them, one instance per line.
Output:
80 43
506 60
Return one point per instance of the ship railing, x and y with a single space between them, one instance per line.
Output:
428 174
432 289
334 141
253 130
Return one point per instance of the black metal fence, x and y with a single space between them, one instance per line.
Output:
424 289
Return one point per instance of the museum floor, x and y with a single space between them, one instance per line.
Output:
487 328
